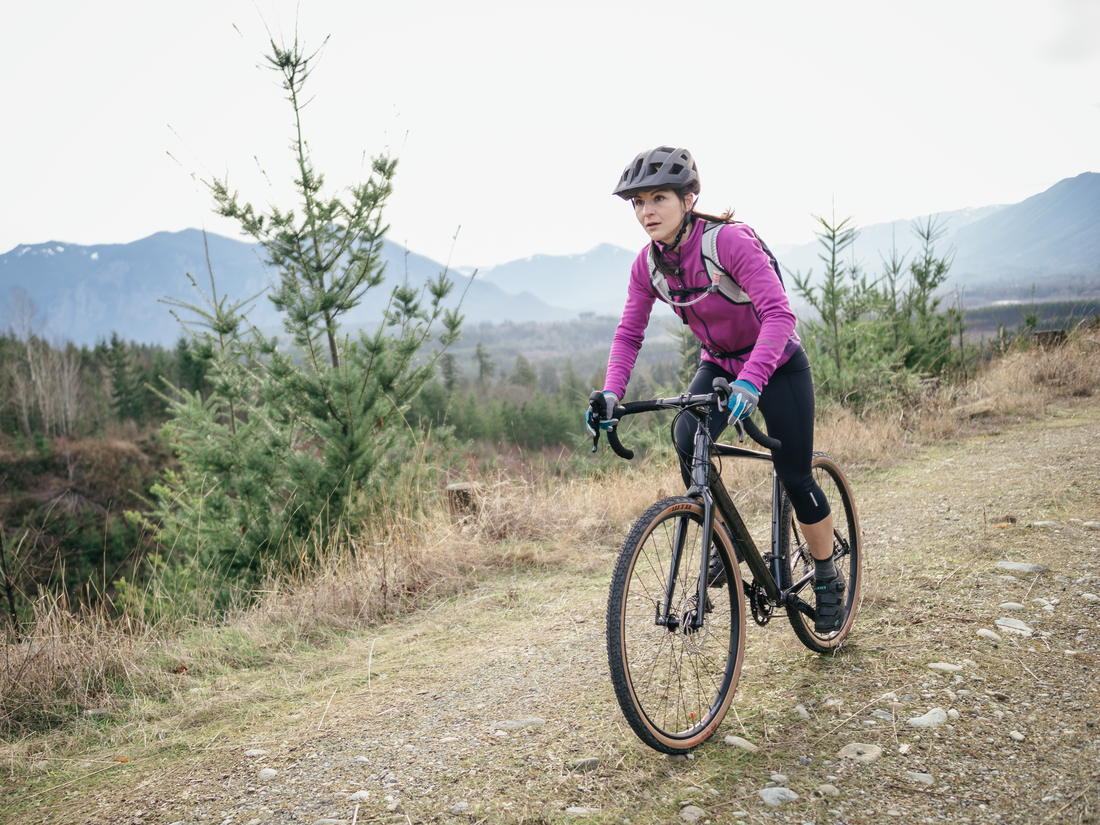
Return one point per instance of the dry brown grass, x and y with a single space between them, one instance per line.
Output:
1020 384
71 662
410 559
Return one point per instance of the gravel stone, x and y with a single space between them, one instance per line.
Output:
692 813
827 790
1014 606
777 796
946 667
922 778
859 752
1019 567
267 774
738 742
1013 626
933 719
517 724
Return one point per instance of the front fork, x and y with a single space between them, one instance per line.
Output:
699 469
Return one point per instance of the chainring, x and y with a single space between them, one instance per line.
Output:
762 608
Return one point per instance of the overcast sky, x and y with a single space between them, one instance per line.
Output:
514 120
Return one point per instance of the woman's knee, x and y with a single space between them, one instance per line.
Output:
808 499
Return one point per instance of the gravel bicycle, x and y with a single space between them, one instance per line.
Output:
676 608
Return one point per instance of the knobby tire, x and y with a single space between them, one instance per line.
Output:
674 687
847 555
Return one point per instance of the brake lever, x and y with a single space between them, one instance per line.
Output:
740 431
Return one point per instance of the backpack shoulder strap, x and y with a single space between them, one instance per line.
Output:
727 287
660 284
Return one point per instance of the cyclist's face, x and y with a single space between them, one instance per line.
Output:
661 213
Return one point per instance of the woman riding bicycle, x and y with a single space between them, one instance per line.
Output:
739 312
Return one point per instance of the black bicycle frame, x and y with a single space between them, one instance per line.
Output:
708 488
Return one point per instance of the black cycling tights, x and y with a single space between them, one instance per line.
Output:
787 404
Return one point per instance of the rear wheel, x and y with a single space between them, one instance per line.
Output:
799 564
674 684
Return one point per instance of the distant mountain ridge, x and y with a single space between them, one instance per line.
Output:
1054 234
1050 240
593 282
88 292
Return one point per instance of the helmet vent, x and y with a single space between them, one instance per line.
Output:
677 168
654 168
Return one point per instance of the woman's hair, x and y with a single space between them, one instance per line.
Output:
693 189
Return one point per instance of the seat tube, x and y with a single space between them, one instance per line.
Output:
777 527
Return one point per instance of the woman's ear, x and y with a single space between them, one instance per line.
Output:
689 201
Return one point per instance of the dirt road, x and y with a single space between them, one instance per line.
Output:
488 707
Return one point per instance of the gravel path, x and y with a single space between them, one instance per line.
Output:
496 706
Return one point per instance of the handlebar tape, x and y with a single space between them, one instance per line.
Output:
616 444
755 433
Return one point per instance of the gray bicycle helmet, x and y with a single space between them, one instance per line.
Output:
660 168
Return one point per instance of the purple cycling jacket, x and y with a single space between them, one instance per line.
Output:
766 323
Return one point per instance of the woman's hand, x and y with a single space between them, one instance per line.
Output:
744 397
606 421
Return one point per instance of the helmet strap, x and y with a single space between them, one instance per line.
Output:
683 229
660 257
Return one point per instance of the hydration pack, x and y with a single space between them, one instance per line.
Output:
721 282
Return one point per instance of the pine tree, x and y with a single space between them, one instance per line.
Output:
126 387
485 366
292 444
573 388
450 371
524 374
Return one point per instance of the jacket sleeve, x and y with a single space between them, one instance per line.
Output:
740 254
631 330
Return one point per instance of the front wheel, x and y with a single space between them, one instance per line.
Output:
847 554
674 684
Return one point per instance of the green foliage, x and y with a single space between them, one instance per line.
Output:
524 374
79 390
292 444
485 367
872 340
126 389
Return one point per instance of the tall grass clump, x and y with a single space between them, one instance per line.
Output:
71 661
